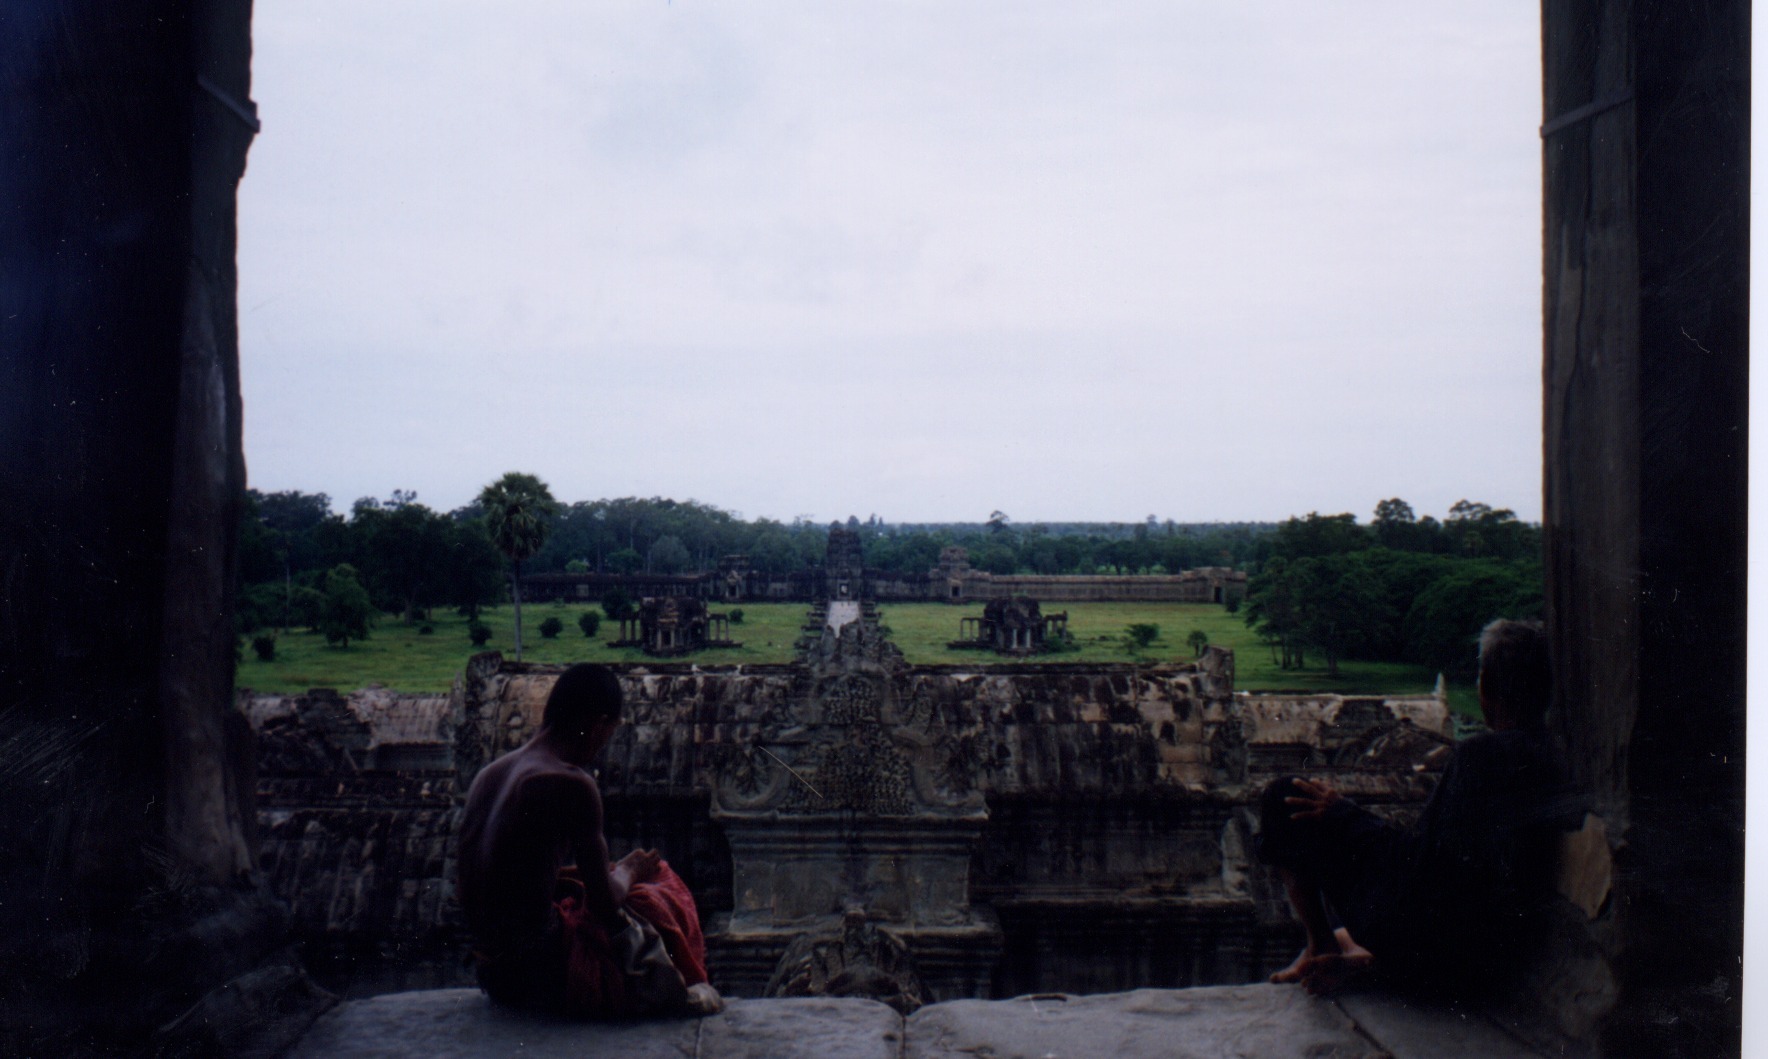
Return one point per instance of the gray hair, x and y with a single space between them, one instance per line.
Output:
1515 668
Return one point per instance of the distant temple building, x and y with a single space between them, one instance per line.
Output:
844 572
673 626
957 582
589 589
1011 627
844 575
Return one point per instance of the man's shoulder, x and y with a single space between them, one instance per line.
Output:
551 779
523 775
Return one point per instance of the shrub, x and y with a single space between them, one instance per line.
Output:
264 647
1140 634
617 604
551 627
478 632
589 621
1060 644
736 616
1232 605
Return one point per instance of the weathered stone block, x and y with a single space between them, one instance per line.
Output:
463 1024
1248 1021
807 1028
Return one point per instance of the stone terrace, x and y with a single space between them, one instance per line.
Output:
1250 1021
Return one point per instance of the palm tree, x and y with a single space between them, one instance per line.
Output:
518 512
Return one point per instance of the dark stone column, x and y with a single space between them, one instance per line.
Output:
1646 265
127 884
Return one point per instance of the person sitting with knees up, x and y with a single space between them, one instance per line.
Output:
1453 903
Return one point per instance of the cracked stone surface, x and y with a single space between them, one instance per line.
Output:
809 1027
458 1023
1239 1022
1255 1022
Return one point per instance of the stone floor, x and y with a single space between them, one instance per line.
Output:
1251 1021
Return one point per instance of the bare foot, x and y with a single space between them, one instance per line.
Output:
1348 949
1331 974
1348 945
704 1000
1298 969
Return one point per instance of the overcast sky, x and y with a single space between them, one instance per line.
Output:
1201 260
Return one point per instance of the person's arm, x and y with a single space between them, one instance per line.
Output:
1319 800
580 807
605 886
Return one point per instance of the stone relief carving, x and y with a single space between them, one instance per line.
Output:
855 960
856 736
748 778
864 773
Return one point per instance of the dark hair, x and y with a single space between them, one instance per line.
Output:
583 695
1515 668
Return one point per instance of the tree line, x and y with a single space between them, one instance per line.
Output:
298 561
1400 589
410 558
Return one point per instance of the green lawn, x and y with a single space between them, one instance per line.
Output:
922 630
397 656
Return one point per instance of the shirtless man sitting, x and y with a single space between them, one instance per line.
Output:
1453 903
555 927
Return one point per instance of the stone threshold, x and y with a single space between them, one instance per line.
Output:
1213 1022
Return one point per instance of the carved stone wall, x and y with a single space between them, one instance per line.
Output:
1010 828
357 814
1017 808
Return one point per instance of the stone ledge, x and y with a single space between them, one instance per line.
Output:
1217 1021
461 1023
1252 1021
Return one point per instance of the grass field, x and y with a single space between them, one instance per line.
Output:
397 656
922 630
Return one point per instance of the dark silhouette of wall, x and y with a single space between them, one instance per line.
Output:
128 891
1646 162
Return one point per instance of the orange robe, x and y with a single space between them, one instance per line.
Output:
596 983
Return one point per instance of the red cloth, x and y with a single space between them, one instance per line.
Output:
594 984
666 904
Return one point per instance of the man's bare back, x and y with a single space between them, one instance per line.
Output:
528 815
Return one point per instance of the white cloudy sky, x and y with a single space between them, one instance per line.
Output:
927 260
